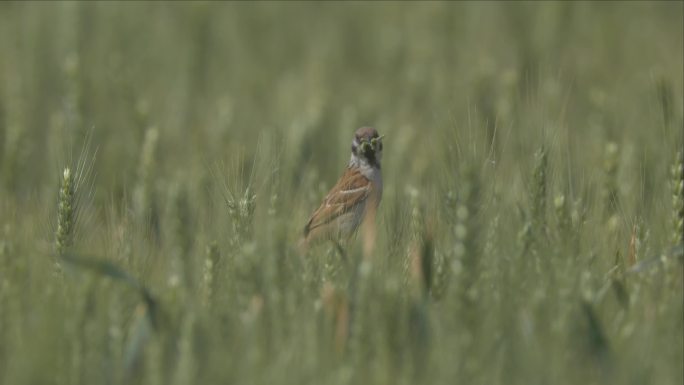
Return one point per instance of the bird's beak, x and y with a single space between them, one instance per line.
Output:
365 146
375 141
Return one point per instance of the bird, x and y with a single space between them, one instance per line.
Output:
354 199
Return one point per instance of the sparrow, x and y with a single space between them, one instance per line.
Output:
355 197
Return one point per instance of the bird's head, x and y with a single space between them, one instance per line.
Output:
367 145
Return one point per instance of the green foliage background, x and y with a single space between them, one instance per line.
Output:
527 168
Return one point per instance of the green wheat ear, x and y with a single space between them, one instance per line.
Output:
66 216
677 174
539 190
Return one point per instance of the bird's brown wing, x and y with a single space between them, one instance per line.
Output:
351 190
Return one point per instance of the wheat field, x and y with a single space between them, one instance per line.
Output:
158 162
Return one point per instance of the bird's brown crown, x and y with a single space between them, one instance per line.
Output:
365 134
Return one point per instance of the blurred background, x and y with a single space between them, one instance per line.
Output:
204 129
213 78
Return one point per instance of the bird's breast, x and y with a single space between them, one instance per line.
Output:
375 178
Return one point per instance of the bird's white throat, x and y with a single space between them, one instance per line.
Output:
367 169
